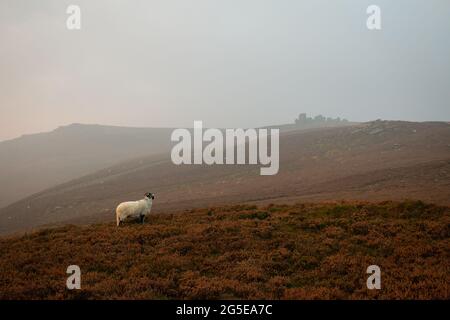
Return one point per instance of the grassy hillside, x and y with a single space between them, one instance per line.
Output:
377 161
302 251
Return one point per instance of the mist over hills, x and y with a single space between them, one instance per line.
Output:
380 160
35 162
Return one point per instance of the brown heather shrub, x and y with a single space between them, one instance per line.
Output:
301 251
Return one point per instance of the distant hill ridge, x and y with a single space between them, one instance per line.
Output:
34 162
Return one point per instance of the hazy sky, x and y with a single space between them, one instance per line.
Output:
230 63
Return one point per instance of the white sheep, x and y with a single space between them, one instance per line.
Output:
136 209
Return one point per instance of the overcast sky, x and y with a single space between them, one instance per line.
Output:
230 63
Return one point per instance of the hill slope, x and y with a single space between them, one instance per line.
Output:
302 251
35 162
373 161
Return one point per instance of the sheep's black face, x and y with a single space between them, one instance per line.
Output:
150 195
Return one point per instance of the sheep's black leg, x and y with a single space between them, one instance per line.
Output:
142 218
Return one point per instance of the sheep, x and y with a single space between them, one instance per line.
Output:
138 209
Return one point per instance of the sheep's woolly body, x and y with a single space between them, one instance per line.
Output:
133 209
